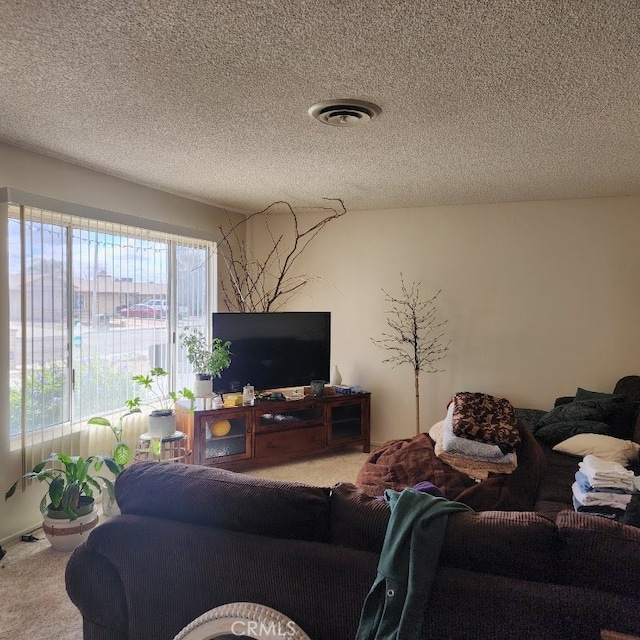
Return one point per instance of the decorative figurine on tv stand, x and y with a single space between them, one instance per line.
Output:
317 387
248 395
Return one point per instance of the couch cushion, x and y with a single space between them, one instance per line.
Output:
622 421
219 498
518 544
629 387
357 520
507 543
600 553
554 494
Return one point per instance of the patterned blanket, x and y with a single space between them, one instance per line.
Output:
485 418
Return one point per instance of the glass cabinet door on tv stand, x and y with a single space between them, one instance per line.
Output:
227 437
219 435
348 420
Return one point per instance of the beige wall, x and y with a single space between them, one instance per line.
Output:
55 179
62 181
541 297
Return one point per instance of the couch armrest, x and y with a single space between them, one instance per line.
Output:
94 586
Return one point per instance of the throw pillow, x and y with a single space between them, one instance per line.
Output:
592 409
585 394
556 432
436 431
622 418
530 417
602 446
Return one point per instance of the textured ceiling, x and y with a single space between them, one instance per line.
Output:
482 101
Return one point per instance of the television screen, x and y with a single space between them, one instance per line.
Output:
274 350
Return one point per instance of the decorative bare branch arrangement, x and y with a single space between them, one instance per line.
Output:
415 335
265 283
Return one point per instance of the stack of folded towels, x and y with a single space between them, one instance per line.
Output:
478 435
603 487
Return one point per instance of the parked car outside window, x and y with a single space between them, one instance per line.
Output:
160 304
142 310
157 304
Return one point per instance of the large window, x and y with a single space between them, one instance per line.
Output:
93 303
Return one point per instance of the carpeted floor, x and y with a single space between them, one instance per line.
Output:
33 601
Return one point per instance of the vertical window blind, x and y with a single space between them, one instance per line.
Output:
92 304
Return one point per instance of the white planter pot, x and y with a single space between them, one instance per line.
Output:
203 388
65 534
110 506
161 426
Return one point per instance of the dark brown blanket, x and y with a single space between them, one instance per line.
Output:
403 463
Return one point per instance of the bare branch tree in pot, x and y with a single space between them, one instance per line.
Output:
415 335
265 283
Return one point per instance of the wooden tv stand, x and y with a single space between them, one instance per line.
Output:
275 431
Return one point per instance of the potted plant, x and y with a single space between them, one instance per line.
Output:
68 506
162 418
120 454
208 359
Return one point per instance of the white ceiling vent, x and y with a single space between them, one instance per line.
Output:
344 113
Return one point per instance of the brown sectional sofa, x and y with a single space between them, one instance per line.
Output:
192 538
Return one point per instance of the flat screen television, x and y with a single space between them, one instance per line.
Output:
274 350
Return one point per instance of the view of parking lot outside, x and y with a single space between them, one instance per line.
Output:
103 345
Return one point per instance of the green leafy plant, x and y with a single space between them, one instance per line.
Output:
155 448
208 359
70 484
121 452
153 384
45 390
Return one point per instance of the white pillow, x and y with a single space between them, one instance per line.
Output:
436 430
605 447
